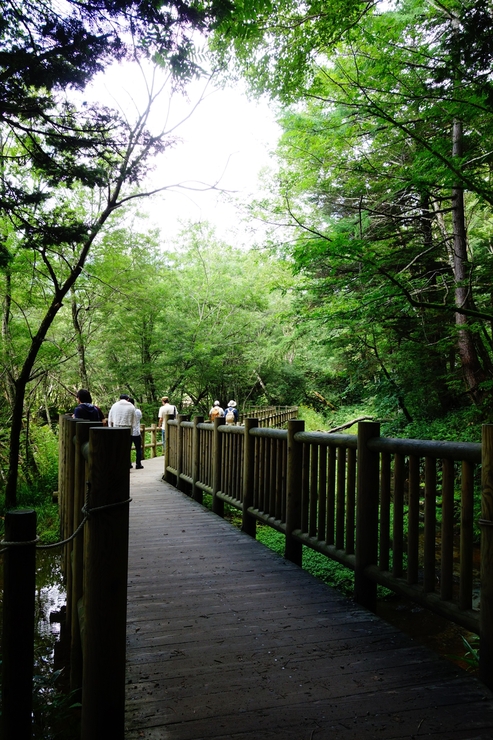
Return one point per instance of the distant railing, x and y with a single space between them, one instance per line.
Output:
398 512
270 416
151 440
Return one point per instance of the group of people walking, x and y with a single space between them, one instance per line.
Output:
230 414
124 413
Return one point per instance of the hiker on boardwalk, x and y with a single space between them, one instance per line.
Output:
85 408
122 413
231 413
216 411
168 409
136 439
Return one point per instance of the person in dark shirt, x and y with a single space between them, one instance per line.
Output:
86 409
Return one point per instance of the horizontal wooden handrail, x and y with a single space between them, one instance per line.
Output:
428 448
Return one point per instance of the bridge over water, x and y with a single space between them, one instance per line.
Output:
225 639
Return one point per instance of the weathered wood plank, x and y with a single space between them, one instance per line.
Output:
228 640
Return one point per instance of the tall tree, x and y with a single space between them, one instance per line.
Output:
394 143
50 145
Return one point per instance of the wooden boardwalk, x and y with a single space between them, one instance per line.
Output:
228 640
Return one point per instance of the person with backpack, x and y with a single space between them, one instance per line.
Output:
216 411
168 409
232 415
85 408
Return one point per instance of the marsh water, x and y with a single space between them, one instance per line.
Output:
49 600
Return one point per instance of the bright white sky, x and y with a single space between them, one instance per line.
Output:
226 140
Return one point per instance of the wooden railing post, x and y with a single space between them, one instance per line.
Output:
153 441
61 463
71 425
217 503
81 438
105 585
179 451
143 441
197 493
486 521
248 523
166 474
293 549
18 625
365 589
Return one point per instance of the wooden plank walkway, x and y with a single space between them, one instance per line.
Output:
228 640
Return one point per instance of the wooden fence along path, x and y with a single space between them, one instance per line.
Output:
225 639
399 512
268 416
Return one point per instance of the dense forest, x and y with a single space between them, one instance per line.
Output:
372 292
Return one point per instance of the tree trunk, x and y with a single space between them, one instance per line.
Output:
146 357
6 316
81 350
471 367
15 444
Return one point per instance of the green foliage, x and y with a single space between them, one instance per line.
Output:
461 425
200 321
314 421
471 657
37 489
367 173
56 712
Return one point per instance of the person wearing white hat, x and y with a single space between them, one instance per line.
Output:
232 413
216 410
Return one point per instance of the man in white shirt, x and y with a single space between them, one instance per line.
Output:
167 408
122 413
136 438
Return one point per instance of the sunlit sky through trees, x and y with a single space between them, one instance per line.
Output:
223 140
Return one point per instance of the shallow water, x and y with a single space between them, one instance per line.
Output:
49 598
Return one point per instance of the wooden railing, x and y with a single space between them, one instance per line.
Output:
398 512
151 440
93 495
270 416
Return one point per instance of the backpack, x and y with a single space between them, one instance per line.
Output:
230 417
215 412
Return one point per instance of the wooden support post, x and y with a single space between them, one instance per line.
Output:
18 625
486 521
197 493
61 457
217 504
153 441
179 452
248 523
293 549
180 484
166 474
71 426
143 441
365 590
105 586
81 438
466 535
